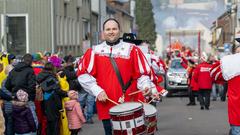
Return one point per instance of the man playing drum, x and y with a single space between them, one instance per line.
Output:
97 75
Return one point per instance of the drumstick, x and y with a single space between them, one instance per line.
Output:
151 100
112 101
135 92
140 101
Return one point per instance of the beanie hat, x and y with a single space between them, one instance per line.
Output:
11 57
56 61
36 56
22 95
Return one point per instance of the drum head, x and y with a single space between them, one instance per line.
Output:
124 108
149 109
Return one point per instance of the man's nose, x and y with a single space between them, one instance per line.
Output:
111 31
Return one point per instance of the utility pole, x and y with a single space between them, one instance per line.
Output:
99 21
53 26
4 43
91 33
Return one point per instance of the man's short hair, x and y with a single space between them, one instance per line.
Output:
27 58
111 19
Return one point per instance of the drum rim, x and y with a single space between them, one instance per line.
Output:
152 114
126 112
140 106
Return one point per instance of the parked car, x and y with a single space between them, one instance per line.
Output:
176 77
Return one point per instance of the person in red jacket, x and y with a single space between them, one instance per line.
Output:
204 81
193 85
228 69
190 66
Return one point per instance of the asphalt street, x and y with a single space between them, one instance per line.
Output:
175 118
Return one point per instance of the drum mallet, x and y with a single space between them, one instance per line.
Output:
151 100
135 92
112 101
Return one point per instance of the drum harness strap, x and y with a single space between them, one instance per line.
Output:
115 67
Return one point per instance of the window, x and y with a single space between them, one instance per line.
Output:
61 30
86 30
78 14
73 32
70 31
78 32
176 64
17 36
65 9
65 30
58 29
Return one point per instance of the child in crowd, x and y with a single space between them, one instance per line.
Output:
74 113
23 121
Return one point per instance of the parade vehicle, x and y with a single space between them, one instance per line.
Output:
176 77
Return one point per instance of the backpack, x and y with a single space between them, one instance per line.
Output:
49 84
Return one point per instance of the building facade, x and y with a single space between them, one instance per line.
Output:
44 25
121 11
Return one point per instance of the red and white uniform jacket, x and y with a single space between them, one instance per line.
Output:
96 73
202 76
162 65
228 69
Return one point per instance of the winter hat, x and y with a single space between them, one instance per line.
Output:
72 94
22 95
56 61
131 38
36 56
11 57
17 60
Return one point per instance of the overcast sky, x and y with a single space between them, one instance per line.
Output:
185 16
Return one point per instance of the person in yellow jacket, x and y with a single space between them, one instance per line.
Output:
5 60
64 130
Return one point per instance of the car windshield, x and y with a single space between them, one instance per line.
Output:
176 64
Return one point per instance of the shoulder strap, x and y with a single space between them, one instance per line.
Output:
115 67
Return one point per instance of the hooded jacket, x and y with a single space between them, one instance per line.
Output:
22 77
23 120
52 94
74 114
53 83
